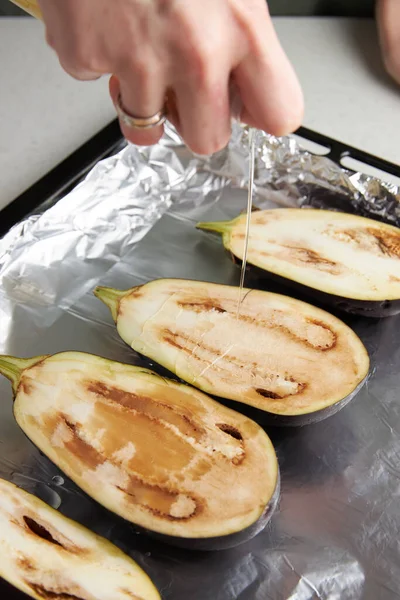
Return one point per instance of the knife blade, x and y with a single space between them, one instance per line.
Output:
236 109
250 194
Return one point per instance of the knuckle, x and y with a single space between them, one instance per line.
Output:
78 56
200 66
204 63
86 61
198 53
80 60
141 65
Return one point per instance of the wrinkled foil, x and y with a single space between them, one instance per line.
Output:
336 532
290 176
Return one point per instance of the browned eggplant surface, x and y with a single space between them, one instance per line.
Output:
352 262
277 354
48 556
158 453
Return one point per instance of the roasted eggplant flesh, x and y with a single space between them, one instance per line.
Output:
343 255
277 354
158 453
46 555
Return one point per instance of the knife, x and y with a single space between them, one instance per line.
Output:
29 6
236 109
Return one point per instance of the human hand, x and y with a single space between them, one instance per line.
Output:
388 18
186 50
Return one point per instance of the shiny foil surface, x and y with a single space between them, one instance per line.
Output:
336 532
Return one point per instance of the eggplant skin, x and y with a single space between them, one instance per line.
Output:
159 454
341 260
267 419
233 539
46 555
373 309
277 354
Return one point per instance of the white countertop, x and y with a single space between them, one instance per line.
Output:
45 115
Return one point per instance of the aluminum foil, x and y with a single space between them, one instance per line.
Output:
336 532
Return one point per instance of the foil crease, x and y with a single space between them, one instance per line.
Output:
335 534
291 176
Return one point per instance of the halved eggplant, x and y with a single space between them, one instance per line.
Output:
158 453
46 555
343 260
276 354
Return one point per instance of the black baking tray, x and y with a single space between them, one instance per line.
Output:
65 176
56 184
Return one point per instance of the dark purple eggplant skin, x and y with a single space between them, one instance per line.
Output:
260 279
318 196
267 419
9 592
223 542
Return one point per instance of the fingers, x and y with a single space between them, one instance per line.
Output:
172 109
181 55
79 73
73 50
204 115
141 96
268 86
388 18
201 85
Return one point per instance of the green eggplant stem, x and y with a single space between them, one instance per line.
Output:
13 367
111 298
218 226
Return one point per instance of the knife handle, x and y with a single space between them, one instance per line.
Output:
29 6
